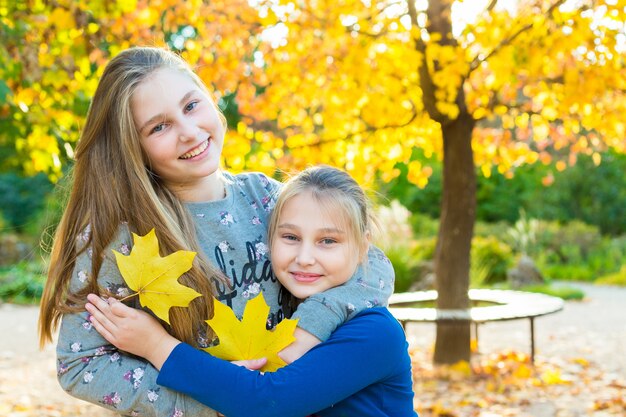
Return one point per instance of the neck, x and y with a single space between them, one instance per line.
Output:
210 188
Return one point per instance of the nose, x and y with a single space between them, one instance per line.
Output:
305 255
188 131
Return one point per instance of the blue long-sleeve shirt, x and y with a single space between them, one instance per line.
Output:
362 370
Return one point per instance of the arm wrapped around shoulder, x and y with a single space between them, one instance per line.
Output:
370 286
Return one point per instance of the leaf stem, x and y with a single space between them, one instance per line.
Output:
129 296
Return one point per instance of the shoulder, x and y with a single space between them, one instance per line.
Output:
375 256
374 326
380 315
253 178
256 183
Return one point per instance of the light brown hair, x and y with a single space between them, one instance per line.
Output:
112 185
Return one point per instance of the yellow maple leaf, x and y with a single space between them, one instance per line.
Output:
155 278
249 338
554 376
523 371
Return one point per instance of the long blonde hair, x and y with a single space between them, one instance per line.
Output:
111 184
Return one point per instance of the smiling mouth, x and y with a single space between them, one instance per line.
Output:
305 277
196 151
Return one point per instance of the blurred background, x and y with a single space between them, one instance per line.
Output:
506 116
489 133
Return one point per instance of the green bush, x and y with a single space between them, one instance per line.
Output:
396 240
570 251
423 225
23 198
404 266
560 272
484 229
609 255
568 243
617 278
410 261
424 248
490 260
43 225
15 248
592 194
22 283
576 251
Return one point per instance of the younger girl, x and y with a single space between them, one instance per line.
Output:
318 234
149 157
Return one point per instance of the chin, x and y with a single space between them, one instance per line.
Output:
301 295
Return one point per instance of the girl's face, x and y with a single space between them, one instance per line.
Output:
180 130
311 250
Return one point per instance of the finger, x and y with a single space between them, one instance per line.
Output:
252 364
105 318
104 332
99 302
120 309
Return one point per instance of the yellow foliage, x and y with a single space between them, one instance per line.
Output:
155 278
63 19
461 367
342 73
523 371
248 338
553 376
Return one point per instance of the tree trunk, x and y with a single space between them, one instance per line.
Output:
452 260
458 204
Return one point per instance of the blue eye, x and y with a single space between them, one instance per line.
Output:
290 237
158 128
328 241
192 105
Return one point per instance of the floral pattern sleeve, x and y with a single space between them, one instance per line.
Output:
91 369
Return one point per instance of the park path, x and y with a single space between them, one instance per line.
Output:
594 329
28 385
591 330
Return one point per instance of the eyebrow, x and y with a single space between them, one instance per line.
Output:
322 230
161 116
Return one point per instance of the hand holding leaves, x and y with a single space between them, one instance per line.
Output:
155 280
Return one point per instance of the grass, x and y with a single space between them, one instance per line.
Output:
562 291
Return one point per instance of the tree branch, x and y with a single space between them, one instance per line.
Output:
368 129
476 62
491 5
426 82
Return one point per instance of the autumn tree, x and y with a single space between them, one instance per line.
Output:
359 84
